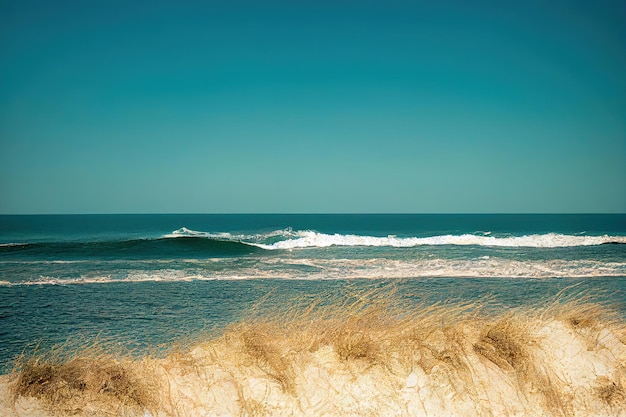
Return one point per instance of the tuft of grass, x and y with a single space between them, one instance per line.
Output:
505 344
260 343
610 392
86 381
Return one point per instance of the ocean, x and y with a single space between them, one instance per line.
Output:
289 315
150 282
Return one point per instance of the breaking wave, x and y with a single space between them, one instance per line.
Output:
186 254
311 239
184 232
290 239
189 243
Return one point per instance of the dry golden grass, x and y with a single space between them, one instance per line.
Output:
87 381
368 330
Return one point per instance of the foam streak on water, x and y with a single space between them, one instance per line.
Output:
338 269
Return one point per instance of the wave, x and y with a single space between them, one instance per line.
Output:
187 242
301 239
310 239
11 245
362 355
184 232
129 249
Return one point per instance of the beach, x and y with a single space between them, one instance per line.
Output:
312 209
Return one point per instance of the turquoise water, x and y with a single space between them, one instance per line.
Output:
146 281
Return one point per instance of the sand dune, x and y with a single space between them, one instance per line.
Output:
352 358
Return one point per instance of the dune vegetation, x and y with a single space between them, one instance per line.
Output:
363 354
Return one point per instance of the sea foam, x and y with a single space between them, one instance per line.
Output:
311 239
340 269
184 232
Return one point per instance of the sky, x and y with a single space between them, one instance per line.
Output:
312 106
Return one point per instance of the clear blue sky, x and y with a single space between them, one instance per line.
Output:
312 106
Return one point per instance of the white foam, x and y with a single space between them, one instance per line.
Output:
244 238
184 232
372 268
435 267
138 276
310 239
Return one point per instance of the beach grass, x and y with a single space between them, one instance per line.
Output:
367 352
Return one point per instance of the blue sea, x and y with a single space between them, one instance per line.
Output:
147 282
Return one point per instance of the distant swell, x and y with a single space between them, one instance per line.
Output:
130 249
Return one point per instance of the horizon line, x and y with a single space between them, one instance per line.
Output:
309 213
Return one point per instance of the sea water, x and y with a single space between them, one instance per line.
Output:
147 282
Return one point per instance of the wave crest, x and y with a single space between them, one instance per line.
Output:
184 232
285 239
310 239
